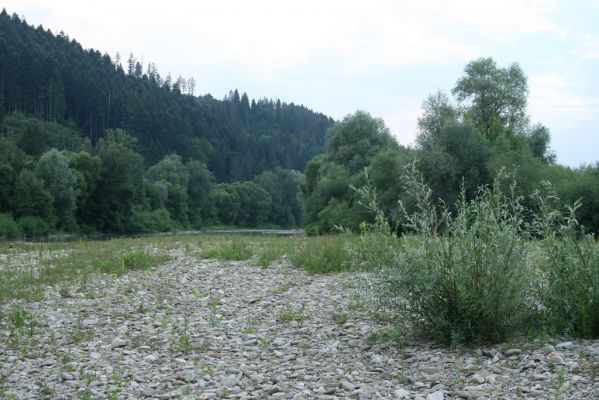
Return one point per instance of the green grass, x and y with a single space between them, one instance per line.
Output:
230 249
53 264
289 314
273 249
323 254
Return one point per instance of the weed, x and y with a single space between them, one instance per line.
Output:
290 314
283 289
341 319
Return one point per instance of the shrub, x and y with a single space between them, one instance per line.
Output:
461 278
9 229
569 269
34 226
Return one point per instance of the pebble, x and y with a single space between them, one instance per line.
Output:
118 342
555 358
435 396
512 352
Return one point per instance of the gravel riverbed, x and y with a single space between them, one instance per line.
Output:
201 329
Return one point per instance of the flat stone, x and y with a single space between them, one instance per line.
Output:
477 378
512 352
229 381
470 394
555 358
435 396
118 342
564 345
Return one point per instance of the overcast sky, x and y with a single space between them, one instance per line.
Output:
336 57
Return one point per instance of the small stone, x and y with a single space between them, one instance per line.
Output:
564 345
88 323
229 381
491 379
470 394
118 342
377 359
150 358
435 396
48 362
555 358
273 389
208 395
478 379
513 352
67 376
535 394
401 394
547 349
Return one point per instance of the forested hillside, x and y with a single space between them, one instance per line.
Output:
53 78
87 145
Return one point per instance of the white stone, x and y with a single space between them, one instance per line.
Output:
435 396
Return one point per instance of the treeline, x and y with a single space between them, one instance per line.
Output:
104 187
463 142
52 78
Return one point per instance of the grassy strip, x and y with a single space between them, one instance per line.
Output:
42 265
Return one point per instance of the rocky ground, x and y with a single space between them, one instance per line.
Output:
206 329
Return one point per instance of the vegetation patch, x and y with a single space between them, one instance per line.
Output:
31 268
235 249
323 254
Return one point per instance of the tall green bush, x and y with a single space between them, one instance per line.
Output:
569 269
461 277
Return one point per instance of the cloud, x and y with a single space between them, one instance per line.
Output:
556 101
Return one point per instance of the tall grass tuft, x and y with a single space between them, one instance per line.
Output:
322 254
568 269
234 250
463 276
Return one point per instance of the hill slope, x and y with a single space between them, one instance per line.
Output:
51 77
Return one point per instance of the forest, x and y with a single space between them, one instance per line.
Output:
89 145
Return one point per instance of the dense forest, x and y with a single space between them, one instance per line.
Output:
464 140
90 145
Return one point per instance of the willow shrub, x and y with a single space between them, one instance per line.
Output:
461 276
568 284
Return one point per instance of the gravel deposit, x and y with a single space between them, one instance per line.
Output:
201 329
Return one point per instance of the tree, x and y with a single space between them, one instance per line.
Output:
355 140
457 156
437 111
198 189
53 169
87 169
494 98
121 183
31 199
539 138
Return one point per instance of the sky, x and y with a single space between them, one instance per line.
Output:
339 56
